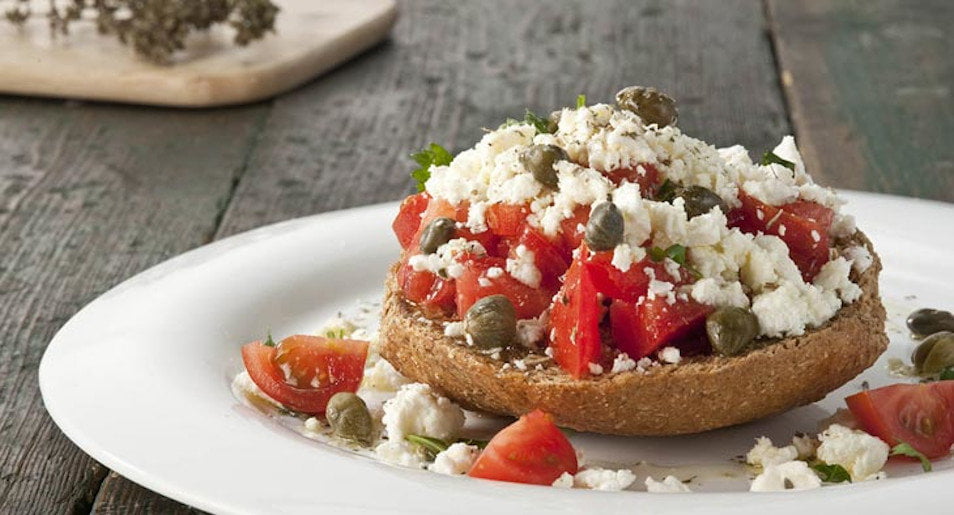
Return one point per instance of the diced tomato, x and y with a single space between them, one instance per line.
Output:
435 295
506 219
643 174
408 219
318 368
575 323
439 208
528 302
547 256
803 226
573 228
532 450
639 330
921 415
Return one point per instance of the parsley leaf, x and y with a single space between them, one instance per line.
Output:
771 158
676 253
433 155
947 374
541 124
905 449
269 342
580 101
432 446
832 473
667 191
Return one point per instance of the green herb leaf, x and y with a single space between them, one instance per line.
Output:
337 334
269 342
905 449
832 473
947 374
769 158
667 191
432 446
433 155
541 124
657 254
676 253
580 101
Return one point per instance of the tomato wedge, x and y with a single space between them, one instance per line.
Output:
573 229
408 219
575 323
921 415
639 330
319 368
532 450
644 174
474 284
506 219
435 295
547 256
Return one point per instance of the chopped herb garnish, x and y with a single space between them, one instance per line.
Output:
905 449
269 342
947 374
433 155
769 158
431 446
580 101
337 334
832 473
667 191
541 124
676 253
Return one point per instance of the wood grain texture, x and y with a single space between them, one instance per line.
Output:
120 495
90 195
869 83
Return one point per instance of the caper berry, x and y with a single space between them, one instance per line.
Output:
731 330
938 353
652 106
349 418
437 233
925 322
491 322
539 160
604 230
699 201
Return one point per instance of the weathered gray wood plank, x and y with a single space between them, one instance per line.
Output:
870 90
90 195
452 68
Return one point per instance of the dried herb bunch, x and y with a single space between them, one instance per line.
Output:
155 29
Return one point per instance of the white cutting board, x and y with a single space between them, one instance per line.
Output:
311 37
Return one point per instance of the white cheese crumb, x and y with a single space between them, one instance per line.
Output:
861 259
495 272
418 410
833 276
805 445
400 452
607 480
669 485
530 331
670 355
454 329
383 377
564 481
312 424
622 363
523 268
596 369
861 454
443 262
765 454
791 475
716 292
455 460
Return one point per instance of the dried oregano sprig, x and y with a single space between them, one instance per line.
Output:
155 29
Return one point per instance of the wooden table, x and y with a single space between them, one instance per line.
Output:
91 194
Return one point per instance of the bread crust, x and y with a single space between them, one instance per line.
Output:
698 394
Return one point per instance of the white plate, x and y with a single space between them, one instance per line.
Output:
139 379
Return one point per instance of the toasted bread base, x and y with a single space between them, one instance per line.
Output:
696 395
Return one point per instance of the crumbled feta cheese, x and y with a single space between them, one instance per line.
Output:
716 292
313 425
788 310
791 475
400 452
337 327
596 369
860 257
443 262
495 272
623 257
670 355
596 478
418 410
455 460
622 363
765 454
669 485
383 377
833 276
523 267
842 226
805 445
861 454
454 329
564 481
530 331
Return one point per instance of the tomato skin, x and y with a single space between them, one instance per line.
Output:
921 415
648 179
641 329
339 362
532 450
408 220
528 302
573 228
547 256
435 295
574 323
803 221
506 219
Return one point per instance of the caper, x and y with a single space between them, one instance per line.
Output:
731 330
540 159
939 353
437 233
491 322
349 418
651 105
699 201
604 230
925 322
